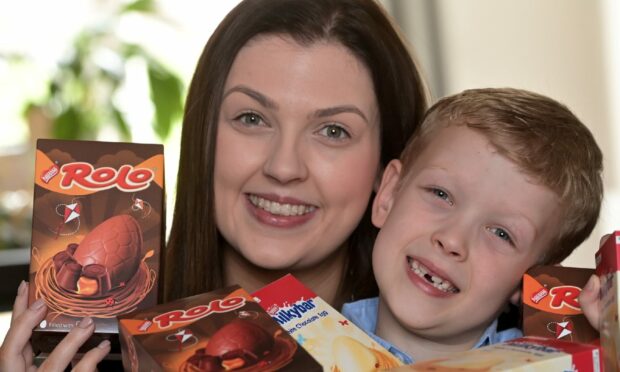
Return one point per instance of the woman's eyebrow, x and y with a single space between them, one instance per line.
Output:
257 96
337 110
271 104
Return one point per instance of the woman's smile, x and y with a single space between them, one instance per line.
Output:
280 214
280 209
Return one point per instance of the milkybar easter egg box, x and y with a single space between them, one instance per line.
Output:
607 267
326 334
519 355
551 303
97 233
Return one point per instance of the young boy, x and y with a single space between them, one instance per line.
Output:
494 182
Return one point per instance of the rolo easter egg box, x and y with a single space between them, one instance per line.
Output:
222 330
608 270
551 303
97 233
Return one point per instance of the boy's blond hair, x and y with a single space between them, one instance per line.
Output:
543 137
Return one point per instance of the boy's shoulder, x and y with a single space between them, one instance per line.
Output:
363 313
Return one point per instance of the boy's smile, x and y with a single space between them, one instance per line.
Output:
441 286
457 234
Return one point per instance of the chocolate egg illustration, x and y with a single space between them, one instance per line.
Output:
351 355
107 258
240 339
205 363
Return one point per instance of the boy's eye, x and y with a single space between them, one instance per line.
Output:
441 194
501 233
334 131
249 118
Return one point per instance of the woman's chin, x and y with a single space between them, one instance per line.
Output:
273 262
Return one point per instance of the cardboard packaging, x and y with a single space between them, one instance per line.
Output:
326 334
223 330
551 304
97 233
607 267
532 353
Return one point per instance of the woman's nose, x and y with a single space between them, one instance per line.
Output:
286 162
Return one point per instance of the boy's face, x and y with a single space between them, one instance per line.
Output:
457 236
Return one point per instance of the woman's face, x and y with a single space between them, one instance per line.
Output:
297 153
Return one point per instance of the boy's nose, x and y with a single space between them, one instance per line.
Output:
452 242
285 162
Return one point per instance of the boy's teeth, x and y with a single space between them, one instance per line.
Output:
281 209
437 282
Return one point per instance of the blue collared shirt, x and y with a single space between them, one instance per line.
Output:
364 314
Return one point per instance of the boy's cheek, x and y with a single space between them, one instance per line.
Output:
502 284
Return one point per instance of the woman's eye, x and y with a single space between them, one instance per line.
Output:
334 131
249 119
501 233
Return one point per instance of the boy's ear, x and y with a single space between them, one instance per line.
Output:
386 192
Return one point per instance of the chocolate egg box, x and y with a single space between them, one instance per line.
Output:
222 330
608 270
333 340
551 308
530 353
97 233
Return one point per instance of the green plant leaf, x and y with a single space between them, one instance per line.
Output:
121 124
147 6
81 92
70 124
166 95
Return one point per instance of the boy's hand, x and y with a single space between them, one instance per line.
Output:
590 301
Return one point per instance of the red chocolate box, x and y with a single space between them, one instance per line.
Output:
608 270
223 330
551 306
525 354
97 233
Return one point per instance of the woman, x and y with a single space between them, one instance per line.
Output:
294 108
219 239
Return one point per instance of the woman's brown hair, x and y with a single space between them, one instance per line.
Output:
194 262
